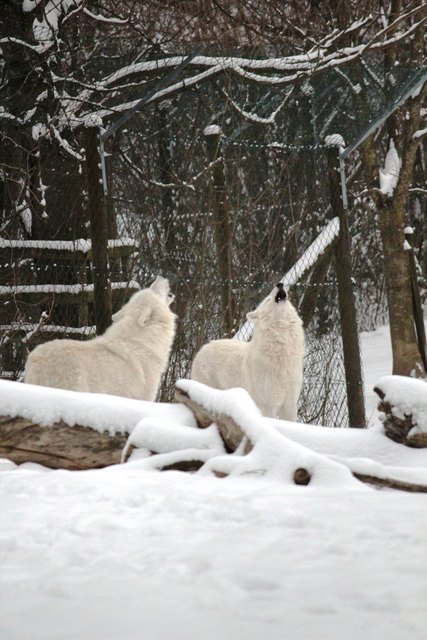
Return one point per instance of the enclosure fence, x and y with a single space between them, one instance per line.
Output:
221 201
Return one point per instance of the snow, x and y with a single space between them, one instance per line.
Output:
100 412
212 130
128 551
62 288
46 28
407 396
153 434
313 252
419 134
80 244
389 174
334 140
31 328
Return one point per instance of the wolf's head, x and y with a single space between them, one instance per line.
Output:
275 307
161 288
146 304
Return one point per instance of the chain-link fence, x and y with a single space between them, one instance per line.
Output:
210 190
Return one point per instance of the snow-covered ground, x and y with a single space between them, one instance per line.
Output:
125 552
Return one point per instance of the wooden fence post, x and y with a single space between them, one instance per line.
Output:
347 305
222 226
98 232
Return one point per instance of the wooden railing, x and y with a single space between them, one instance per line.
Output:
47 291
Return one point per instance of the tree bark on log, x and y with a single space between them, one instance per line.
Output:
58 446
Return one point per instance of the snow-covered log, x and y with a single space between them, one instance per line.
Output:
58 446
403 403
263 450
70 430
230 431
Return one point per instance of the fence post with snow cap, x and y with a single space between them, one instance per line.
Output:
221 225
346 301
98 231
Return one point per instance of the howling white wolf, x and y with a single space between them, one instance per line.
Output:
127 360
269 367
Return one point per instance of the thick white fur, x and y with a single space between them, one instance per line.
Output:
127 360
269 367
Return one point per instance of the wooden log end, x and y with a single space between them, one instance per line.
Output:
302 476
202 418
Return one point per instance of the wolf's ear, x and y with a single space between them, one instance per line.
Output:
252 315
160 284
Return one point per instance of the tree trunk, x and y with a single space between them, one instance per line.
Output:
406 357
391 210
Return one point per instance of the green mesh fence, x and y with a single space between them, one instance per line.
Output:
222 241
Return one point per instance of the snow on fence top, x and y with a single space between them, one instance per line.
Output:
314 251
62 288
83 245
306 262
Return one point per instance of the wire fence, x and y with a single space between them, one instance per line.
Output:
224 204
48 285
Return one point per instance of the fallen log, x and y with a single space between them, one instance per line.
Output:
69 430
203 407
263 446
58 446
229 430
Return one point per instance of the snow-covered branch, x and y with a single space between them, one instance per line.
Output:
101 18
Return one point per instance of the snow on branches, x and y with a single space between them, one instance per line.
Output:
104 93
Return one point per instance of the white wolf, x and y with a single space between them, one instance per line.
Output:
269 367
127 360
